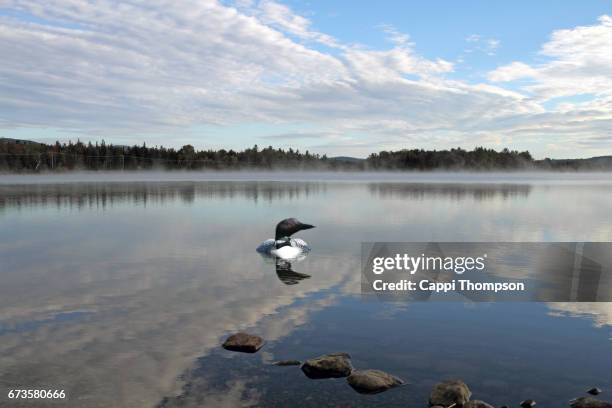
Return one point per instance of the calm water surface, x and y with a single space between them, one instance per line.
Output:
121 292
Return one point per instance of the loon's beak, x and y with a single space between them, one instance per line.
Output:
306 226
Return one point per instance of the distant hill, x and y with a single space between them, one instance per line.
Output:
347 159
592 163
8 140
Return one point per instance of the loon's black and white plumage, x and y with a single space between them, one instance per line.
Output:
283 246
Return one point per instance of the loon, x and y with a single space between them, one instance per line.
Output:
283 246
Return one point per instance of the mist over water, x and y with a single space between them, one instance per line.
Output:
520 177
120 287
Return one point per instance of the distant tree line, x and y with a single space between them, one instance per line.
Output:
477 159
25 156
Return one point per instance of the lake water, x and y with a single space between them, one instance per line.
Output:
120 293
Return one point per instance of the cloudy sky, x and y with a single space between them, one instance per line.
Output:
331 77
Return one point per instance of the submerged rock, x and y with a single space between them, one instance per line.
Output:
594 391
334 365
284 363
477 404
588 402
528 404
450 392
372 381
243 342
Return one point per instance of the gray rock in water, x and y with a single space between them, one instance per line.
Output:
284 363
477 404
243 342
334 365
528 404
450 392
588 402
594 391
372 381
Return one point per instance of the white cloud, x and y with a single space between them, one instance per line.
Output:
579 62
396 36
492 46
159 67
130 66
282 17
512 72
577 79
479 43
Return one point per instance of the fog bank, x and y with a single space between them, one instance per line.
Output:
302 176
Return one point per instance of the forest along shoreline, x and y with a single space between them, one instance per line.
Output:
25 156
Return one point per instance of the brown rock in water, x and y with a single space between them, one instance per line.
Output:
450 392
243 342
334 365
372 381
477 404
284 363
588 402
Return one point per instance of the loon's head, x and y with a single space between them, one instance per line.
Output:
288 227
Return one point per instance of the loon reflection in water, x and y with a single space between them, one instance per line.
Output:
287 275
284 268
